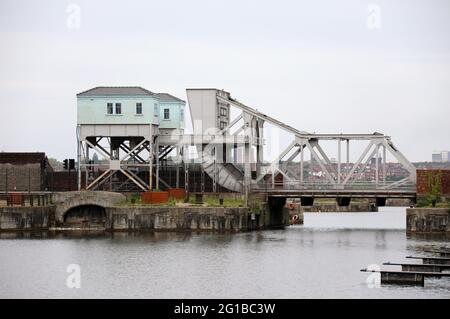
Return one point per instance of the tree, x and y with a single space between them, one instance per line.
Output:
434 183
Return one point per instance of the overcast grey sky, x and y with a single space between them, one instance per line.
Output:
321 66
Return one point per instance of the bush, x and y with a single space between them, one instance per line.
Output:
172 202
423 202
434 182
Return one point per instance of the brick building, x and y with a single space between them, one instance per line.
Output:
23 171
423 177
63 181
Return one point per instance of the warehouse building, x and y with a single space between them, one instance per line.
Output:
24 171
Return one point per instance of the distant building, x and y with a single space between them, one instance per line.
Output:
373 161
440 157
436 157
23 171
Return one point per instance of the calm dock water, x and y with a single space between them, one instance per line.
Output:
320 259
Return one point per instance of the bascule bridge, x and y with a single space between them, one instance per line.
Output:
135 130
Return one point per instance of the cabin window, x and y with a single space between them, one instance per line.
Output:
109 108
166 114
223 125
118 108
138 108
223 111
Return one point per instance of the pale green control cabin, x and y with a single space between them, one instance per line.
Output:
130 105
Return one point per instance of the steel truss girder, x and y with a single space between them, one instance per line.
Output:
274 166
232 123
103 180
135 179
98 179
285 166
134 156
350 177
311 142
165 151
311 145
259 115
134 153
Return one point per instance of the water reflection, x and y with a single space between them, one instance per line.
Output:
380 239
431 237
321 259
344 239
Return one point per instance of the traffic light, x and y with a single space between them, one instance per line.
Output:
66 163
71 163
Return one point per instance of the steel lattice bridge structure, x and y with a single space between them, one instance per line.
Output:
230 151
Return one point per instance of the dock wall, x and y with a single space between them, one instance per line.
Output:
428 220
176 218
26 218
143 218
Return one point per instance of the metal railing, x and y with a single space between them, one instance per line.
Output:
26 198
324 186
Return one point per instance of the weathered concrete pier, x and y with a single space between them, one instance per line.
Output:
26 218
432 260
420 267
406 277
428 220
442 253
415 274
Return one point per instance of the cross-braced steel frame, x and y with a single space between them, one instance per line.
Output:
137 158
339 175
132 155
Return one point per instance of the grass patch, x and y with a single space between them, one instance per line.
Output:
427 202
212 201
131 200
134 200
